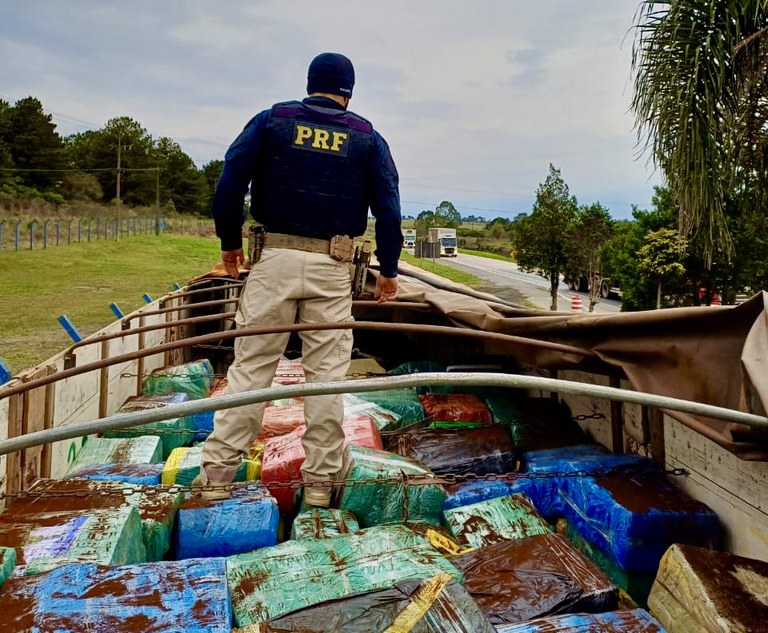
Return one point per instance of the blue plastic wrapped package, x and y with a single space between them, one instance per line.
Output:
173 432
275 581
634 519
476 491
634 621
245 522
495 520
147 449
323 523
7 563
47 540
189 596
157 509
195 379
435 605
386 502
203 422
139 474
542 575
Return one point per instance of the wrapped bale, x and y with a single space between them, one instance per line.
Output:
402 402
275 581
436 605
195 379
515 581
479 451
634 621
384 419
191 596
157 509
323 523
278 421
698 590
46 540
146 449
173 432
384 502
283 456
536 423
183 465
634 519
245 522
455 410
476 491
203 422
7 563
494 521
289 372
139 474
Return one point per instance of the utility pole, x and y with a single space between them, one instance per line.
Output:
119 148
157 201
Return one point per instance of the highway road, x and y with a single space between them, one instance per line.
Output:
507 281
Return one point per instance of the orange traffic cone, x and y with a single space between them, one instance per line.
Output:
576 304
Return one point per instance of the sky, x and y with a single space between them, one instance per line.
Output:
475 98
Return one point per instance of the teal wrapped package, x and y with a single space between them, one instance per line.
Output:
157 509
195 379
245 522
275 581
173 432
147 449
403 402
139 474
634 621
323 523
386 502
46 540
384 419
190 596
7 563
496 520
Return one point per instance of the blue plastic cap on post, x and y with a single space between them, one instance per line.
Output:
70 329
5 373
118 312
147 298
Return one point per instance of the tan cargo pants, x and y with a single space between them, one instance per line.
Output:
284 287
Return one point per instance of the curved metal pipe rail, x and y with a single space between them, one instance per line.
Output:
128 420
185 306
298 327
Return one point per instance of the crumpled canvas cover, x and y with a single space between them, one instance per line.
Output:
714 355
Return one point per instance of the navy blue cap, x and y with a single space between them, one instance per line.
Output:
331 73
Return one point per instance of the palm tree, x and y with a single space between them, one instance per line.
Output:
701 106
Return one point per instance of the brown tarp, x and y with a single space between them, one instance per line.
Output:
714 355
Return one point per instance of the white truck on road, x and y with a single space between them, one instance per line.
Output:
447 239
409 238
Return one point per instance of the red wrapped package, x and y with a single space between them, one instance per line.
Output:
279 421
289 372
455 407
283 456
219 388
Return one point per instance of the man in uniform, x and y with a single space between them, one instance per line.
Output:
314 169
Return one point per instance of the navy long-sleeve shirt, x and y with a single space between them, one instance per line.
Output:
239 165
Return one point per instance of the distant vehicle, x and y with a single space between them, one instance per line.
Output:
608 287
409 238
447 239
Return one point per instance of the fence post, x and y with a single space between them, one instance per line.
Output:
98 228
45 234
88 230
69 231
32 235
79 230
1 234
57 232
16 233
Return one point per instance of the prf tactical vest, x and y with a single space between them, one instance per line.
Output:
313 174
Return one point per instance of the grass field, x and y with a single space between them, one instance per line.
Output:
441 269
81 280
485 254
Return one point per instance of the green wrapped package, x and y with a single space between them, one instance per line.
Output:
183 465
50 539
387 502
7 563
157 510
403 402
384 419
495 520
147 449
195 379
173 432
323 523
274 581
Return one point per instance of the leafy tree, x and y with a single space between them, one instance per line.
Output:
185 185
6 159
587 236
661 256
449 212
701 73
212 173
78 185
540 238
445 215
